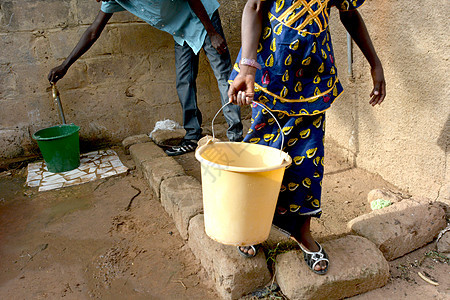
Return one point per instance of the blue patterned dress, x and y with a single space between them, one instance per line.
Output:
298 82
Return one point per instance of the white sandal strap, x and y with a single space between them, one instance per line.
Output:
309 252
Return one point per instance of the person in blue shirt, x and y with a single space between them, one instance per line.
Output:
194 24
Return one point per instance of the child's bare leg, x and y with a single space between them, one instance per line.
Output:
304 237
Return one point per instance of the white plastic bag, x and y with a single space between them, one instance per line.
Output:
165 125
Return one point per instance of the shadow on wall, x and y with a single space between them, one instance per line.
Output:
444 138
403 53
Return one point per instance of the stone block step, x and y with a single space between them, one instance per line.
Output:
356 266
143 152
181 197
166 137
233 275
156 170
135 139
402 227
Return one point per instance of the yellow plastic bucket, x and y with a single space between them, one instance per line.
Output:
240 185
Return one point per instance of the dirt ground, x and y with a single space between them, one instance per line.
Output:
81 242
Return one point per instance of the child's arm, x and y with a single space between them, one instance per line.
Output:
86 41
354 24
241 91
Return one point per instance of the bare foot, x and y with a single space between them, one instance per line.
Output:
248 251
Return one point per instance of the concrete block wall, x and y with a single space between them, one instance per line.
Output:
126 83
406 139
122 86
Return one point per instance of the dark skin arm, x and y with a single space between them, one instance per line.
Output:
88 38
355 25
217 41
241 91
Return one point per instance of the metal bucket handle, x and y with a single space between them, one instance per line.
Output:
281 130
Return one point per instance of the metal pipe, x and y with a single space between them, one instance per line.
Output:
349 55
55 93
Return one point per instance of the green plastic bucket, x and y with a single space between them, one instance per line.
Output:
60 147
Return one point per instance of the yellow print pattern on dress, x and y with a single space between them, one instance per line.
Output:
309 11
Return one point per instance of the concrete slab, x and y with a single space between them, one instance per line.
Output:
232 274
402 227
181 197
93 166
356 266
158 169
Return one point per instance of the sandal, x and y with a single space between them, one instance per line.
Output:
313 258
246 255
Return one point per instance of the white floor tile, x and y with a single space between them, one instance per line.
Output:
94 165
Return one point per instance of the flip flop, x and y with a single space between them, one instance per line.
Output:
246 255
313 258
